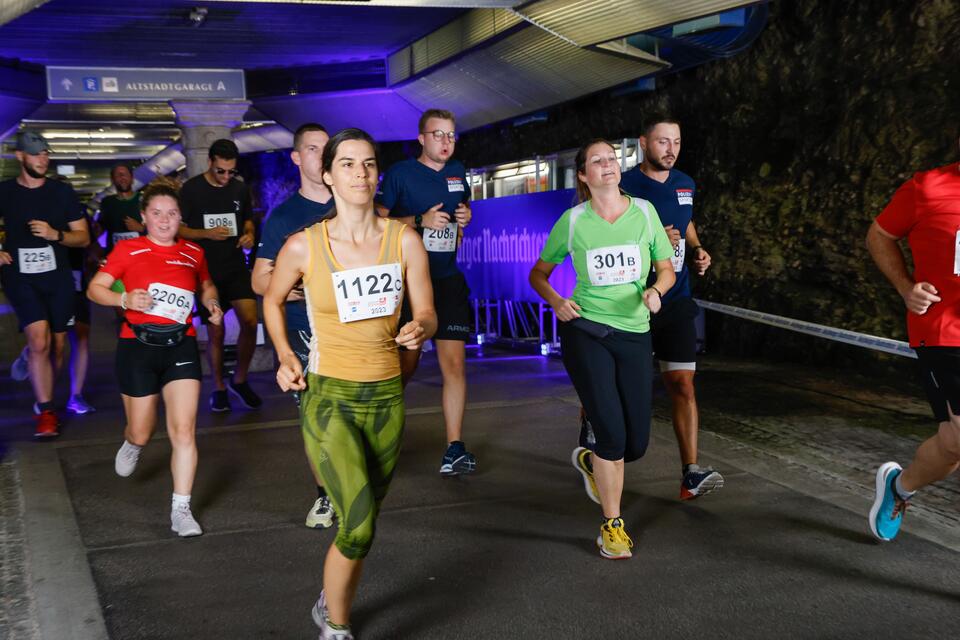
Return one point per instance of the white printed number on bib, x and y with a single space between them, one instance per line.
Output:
368 292
36 260
679 253
444 240
214 220
170 302
614 265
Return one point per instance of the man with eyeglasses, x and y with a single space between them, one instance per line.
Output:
430 193
217 215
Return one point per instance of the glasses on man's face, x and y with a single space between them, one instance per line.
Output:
220 172
440 134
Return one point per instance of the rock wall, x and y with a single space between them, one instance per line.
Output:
796 144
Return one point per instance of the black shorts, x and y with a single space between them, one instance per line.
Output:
940 375
674 334
451 298
144 370
81 308
231 286
48 297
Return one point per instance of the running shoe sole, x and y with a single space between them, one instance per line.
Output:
883 473
611 556
710 484
220 410
587 485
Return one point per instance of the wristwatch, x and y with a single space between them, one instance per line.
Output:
59 235
418 220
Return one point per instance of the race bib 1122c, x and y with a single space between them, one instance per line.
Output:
368 292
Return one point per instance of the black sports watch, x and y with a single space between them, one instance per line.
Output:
418 220
59 235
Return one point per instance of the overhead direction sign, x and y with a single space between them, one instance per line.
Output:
79 84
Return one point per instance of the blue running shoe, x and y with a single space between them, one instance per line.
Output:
457 460
886 514
699 481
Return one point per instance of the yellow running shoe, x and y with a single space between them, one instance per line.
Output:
582 464
613 540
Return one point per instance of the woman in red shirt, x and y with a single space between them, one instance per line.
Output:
157 352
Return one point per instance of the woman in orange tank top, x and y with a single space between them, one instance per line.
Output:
356 267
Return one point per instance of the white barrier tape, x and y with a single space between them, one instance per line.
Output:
896 347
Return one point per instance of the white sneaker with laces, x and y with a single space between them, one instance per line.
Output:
319 615
126 460
320 515
182 522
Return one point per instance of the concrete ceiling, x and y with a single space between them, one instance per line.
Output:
327 61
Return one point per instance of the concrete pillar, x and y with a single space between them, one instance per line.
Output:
201 123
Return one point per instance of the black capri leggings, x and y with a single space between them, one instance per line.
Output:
613 376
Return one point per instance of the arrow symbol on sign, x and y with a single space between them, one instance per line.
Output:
66 84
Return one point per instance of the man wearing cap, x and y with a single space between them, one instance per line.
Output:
42 218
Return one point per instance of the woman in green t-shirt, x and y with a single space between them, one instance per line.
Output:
613 241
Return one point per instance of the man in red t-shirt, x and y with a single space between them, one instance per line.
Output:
926 211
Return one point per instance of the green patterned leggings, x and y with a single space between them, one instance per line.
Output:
352 431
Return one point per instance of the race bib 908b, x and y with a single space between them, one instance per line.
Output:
214 220
368 292
618 264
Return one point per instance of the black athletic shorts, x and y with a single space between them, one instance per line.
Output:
231 286
674 332
47 296
143 370
81 307
940 374
451 298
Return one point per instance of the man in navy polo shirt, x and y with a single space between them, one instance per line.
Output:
42 219
430 193
308 205
673 330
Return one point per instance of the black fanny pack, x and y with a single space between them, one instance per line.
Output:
595 329
160 335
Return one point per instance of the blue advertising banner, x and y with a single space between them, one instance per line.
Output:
74 84
504 240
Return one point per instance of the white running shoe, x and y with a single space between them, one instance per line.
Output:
319 615
320 515
182 522
127 458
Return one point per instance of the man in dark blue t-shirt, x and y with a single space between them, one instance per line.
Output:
310 204
42 219
430 193
673 330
